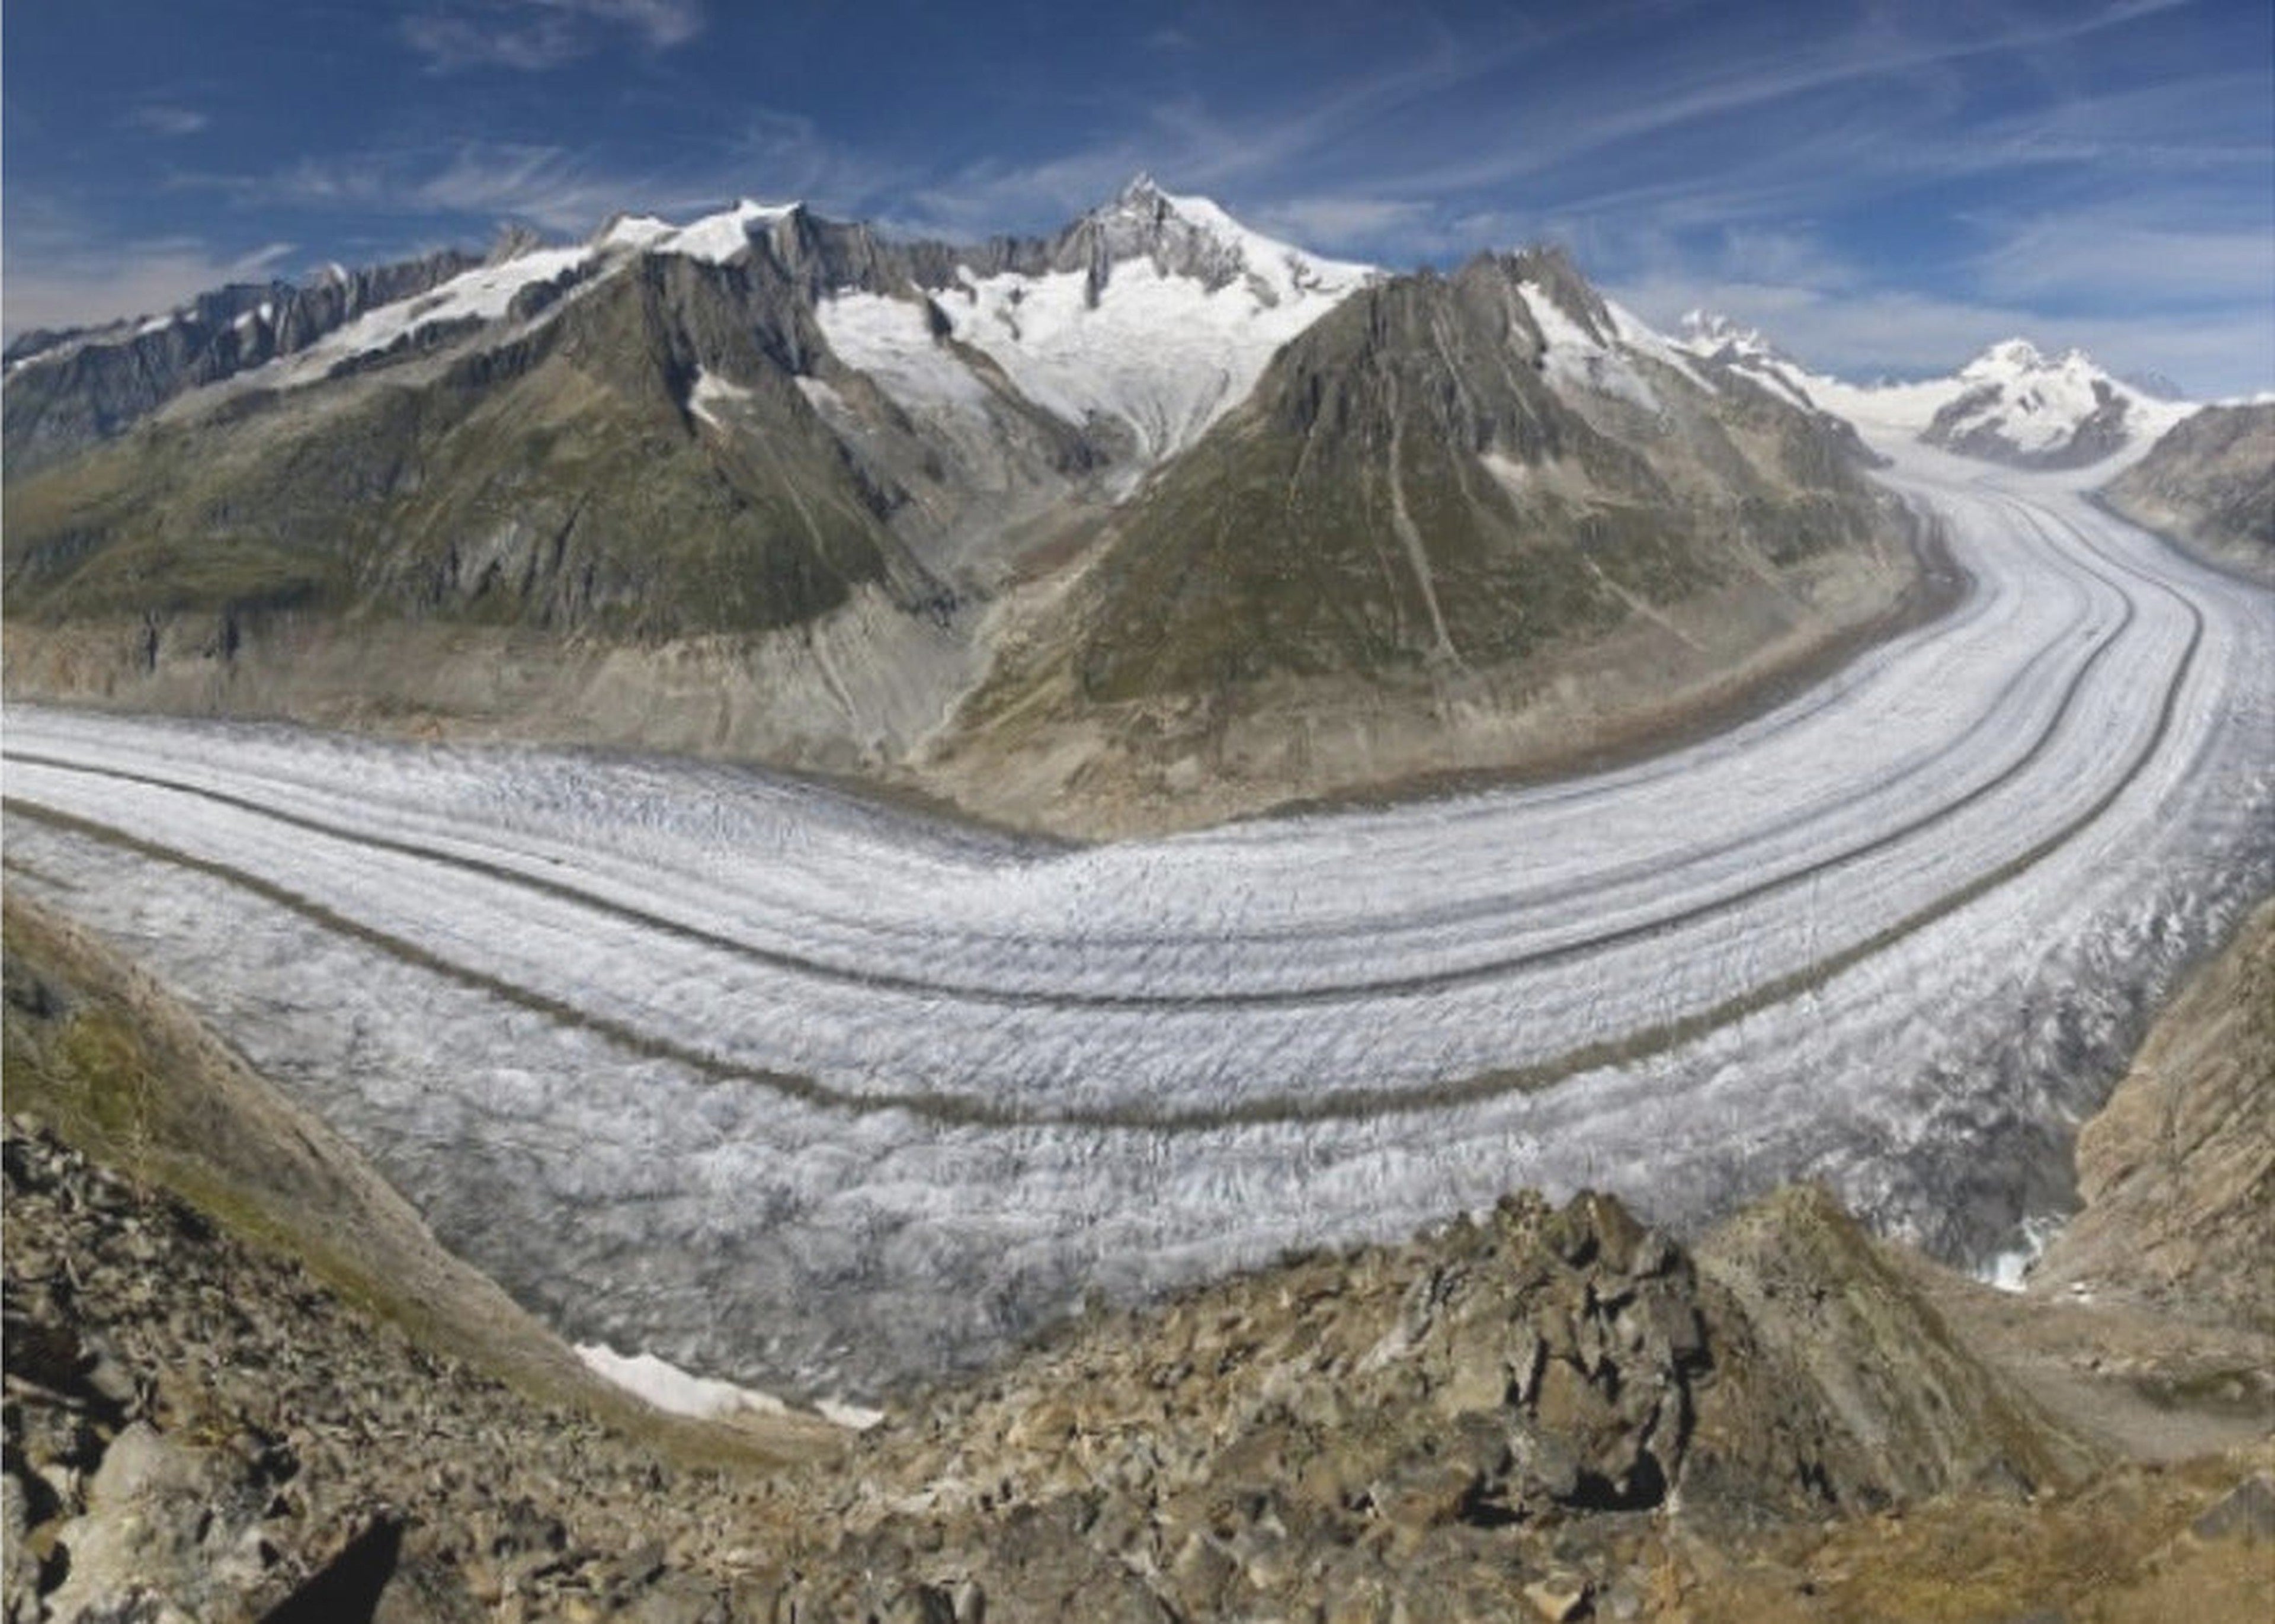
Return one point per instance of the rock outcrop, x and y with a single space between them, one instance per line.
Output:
1503 1415
1540 1412
2210 484
2176 1175
198 1427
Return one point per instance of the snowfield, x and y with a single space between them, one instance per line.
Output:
816 1095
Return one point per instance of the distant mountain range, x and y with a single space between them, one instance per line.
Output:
2010 404
1152 520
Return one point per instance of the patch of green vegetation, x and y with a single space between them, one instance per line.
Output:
558 483
1333 524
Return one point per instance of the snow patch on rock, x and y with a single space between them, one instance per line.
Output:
1576 358
1156 350
892 340
710 392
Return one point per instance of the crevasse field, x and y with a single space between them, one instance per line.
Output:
819 1096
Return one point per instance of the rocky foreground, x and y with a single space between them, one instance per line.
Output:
2211 483
1544 1412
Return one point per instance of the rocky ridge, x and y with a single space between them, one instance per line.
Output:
1547 1413
2176 1175
67 391
776 486
2210 484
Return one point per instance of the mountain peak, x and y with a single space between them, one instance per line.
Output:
718 236
511 242
2009 355
1157 212
1710 333
2018 358
1193 236
1712 326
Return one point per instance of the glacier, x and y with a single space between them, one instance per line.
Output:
819 1096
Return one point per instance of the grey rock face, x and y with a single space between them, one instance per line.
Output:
280 1456
2210 482
67 391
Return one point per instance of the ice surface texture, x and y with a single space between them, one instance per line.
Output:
799 1091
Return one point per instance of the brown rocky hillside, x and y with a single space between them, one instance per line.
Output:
1543 1412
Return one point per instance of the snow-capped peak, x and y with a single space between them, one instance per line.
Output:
2015 404
1707 332
1196 237
2011 357
717 236
2010 404
1156 312
1714 337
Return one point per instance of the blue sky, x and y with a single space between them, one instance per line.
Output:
1882 188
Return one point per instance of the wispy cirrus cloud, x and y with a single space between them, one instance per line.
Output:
2104 253
564 190
1945 170
168 119
59 275
535 36
1828 312
1348 220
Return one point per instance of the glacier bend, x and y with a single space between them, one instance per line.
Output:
818 1095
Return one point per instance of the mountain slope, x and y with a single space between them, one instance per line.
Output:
2211 483
561 481
1443 498
779 487
2177 1173
103 1052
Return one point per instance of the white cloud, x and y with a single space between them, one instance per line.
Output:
2112 254
159 118
534 36
58 285
1347 223
775 156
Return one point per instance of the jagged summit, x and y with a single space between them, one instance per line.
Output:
718 236
1709 332
1186 235
2010 353
2019 357
511 242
